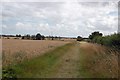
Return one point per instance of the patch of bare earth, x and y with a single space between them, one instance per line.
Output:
27 49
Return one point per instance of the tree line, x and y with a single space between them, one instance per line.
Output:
112 40
38 36
34 37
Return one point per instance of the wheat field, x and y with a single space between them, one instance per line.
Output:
18 50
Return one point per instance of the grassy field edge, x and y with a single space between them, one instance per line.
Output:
40 66
97 62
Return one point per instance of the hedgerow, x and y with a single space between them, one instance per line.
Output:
110 40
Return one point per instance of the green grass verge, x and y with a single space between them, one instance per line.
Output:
40 66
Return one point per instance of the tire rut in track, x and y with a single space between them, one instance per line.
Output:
68 65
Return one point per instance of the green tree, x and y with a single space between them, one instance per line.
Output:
95 34
33 37
38 36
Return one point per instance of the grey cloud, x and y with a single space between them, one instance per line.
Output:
72 18
58 0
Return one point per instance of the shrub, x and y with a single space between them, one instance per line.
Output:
110 40
79 38
8 73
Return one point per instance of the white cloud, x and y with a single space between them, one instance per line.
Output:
4 26
64 19
24 26
39 15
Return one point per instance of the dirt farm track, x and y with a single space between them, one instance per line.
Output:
61 59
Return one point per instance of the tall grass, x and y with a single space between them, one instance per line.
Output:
98 61
12 59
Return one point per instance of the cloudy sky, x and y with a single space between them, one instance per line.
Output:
59 18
